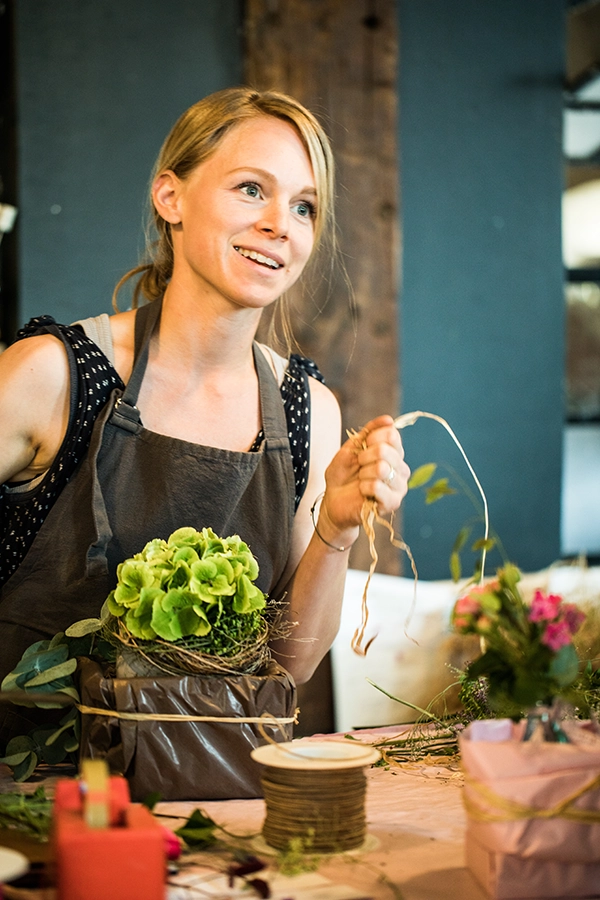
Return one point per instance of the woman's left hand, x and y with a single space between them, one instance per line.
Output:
369 465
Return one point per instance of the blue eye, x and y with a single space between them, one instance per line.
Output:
306 209
250 189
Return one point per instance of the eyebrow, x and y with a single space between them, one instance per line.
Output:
269 175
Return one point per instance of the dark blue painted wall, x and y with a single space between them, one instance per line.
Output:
481 310
100 83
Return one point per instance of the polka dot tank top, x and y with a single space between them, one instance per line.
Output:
23 508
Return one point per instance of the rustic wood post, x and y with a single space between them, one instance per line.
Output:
339 58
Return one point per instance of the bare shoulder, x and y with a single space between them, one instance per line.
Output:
325 409
122 326
34 405
37 362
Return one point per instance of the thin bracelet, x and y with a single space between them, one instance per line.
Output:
312 515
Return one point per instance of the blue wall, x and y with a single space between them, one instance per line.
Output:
482 309
100 82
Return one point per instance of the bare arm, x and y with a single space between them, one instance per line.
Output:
34 406
316 587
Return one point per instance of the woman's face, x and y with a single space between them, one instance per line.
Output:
243 222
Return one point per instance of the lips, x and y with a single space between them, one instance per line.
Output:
269 262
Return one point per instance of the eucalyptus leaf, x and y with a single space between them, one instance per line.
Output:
33 664
25 769
83 627
52 674
36 648
15 758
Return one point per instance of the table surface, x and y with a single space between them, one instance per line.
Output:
414 847
415 831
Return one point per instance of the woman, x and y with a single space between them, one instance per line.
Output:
191 428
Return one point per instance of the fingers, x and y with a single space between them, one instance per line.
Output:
382 471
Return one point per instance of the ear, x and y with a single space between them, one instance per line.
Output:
166 192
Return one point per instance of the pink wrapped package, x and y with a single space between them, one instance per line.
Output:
533 811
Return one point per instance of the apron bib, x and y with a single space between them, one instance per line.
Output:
135 485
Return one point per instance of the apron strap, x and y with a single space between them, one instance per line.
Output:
125 413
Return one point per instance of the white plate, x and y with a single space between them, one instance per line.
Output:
12 864
309 754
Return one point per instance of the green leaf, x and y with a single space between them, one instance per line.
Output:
57 640
23 771
41 661
151 800
36 648
484 544
421 475
198 831
565 665
52 674
83 627
461 539
440 489
455 567
15 758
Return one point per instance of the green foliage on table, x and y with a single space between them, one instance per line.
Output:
186 585
199 831
29 814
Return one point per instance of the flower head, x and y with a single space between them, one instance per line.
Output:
556 635
573 616
544 607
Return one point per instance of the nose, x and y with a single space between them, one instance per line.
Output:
275 219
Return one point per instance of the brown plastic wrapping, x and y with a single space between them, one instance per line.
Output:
185 760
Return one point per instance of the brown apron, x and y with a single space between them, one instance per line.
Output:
135 485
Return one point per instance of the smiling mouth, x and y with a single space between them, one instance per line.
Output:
259 258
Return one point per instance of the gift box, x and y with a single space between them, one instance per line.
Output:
156 740
533 812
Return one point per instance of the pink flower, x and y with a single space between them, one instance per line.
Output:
544 608
573 616
556 635
467 606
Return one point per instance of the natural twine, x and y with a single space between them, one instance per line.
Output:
265 719
510 810
324 808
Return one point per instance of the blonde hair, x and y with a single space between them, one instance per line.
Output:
195 136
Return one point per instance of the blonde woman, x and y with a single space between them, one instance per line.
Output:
121 429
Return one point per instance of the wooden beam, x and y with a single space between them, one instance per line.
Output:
339 58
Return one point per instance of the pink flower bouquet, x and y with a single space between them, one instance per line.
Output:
528 656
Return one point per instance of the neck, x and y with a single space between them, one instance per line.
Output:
207 335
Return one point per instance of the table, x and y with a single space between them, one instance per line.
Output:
415 828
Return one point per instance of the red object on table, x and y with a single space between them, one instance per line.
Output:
124 861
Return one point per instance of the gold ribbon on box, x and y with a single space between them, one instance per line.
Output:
510 810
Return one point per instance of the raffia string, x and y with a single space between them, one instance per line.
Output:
510 810
265 719
370 516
